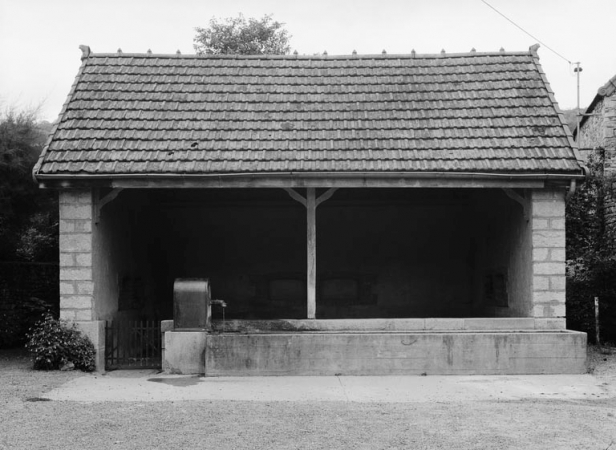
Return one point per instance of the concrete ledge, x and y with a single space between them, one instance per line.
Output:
427 324
395 353
165 326
95 330
184 352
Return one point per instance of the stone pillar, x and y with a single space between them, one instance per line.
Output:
76 276
76 281
548 245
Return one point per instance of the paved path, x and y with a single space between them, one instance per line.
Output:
152 386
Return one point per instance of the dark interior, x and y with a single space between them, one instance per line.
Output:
381 253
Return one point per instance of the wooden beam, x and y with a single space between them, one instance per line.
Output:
513 195
104 200
311 285
295 196
325 196
332 181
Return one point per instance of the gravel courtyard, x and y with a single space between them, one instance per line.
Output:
29 421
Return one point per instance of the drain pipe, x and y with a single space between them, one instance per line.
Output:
572 187
223 305
573 182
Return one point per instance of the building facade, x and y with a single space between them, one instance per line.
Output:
358 214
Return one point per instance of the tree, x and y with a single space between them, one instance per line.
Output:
572 117
591 257
28 215
28 228
238 36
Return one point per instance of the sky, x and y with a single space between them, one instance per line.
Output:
39 39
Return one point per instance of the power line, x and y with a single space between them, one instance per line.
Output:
518 26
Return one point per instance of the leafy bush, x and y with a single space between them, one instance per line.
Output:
28 215
11 333
584 283
54 344
17 319
591 256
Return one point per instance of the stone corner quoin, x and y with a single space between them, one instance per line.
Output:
548 247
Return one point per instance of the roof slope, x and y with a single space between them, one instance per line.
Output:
142 114
604 91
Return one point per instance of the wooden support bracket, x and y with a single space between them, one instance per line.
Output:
322 198
311 202
103 201
326 196
513 195
296 196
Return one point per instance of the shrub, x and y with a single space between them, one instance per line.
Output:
17 319
11 332
54 344
591 254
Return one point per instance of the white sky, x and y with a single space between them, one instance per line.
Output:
39 39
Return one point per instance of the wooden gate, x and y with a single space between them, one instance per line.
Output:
133 345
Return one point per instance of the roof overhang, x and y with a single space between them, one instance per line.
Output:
316 180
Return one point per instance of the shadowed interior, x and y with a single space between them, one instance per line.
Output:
381 253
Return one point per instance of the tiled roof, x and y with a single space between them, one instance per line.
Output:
143 114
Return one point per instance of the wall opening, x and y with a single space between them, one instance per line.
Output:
381 253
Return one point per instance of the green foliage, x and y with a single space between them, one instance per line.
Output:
586 237
28 215
38 239
28 227
571 118
17 319
54 344
591 259
11 332
238 36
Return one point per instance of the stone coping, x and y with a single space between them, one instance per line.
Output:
381 325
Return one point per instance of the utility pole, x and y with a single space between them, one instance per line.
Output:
577 69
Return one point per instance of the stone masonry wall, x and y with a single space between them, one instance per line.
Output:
548 243
599 131
609 168
76 271
591 133
76 282
609 133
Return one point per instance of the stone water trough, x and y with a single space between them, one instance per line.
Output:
440 346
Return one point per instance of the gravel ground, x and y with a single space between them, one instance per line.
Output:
28 423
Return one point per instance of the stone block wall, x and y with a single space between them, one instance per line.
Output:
76 281
548 244
599 131
591 133
609 168
76 273
609 132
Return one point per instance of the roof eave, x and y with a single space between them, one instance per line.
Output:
311 179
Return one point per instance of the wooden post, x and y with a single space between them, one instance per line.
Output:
597 329
311 228
311 203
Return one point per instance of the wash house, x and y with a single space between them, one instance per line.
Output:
357 214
